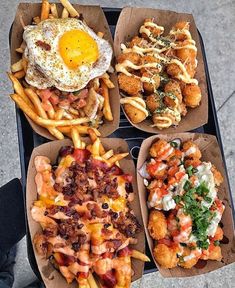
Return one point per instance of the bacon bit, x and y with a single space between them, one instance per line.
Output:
81 155
63 260
99 164
43 45
115 170
83 275
109 279
128 178
82 94
165 241
54 99
45 94
124 252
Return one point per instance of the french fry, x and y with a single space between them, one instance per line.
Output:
140 256
50 109
45 10
91 281
22 21
20 50
36 20
76 138
41 112
51 16
20 90
105 77
107 109
96 83
54 11
94 137
73 111
100 34
17 66
67 115
20 74
24 64
59 114
96 147
72 11
65 13
108 154
117 157
45 122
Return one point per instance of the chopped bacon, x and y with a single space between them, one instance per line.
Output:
81 155
54 99
45 94
79 104
115 170
124 252
43 45
63 260
128 178
109 279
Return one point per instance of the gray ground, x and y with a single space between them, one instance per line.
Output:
215 20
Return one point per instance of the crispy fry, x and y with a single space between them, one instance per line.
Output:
65 129
20 90
51 110
94 137
73 111
59 114
45 122
96 147
45 10
100 34
107 109
17 66
96 83
20 74
24 64
41 112
72 11
108 154
91 281
22 21
67 115
105 77
54 11
117 157
36 20
140 256
65 13
76 138
20 50
51 16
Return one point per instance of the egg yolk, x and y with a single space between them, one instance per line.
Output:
78 48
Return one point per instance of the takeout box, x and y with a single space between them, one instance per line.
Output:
210 152
95 19
128 26
50 276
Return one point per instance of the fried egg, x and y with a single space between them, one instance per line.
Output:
64 53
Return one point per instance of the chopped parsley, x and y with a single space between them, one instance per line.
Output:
216 243
189 170
202 190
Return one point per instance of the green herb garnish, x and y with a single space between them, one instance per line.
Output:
216 243
189 170
177 199
187 185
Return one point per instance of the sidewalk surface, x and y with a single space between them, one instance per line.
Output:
215 19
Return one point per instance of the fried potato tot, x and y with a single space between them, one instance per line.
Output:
191 150
217 176
130 85
130 56
152 102
150 81
135 115
173 87
166 256
157 225
192 95
173 70
149 59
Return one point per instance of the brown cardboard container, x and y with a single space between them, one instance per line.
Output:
128 26
210 152
95 19
51 277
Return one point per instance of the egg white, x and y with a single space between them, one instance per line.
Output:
47 68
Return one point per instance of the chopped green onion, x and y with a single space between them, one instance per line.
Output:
187 185
216 243
189 170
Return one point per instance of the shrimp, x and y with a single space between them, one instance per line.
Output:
191 150
161 149
189 257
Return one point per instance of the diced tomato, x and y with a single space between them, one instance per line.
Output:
173 170
165 241
45 94
81 155
83 275
171 180
152 168
179 175
178 153
127 177
186 226
124 252
54 99
115 170
162 192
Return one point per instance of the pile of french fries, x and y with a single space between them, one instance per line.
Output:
58 121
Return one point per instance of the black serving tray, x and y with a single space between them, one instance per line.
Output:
28 139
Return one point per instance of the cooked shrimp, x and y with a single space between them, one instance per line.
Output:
157 169
161 149
191 150
129 84
192 162
157 225
166 256
192 95
189 257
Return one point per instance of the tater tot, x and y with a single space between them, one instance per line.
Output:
217 176
131 56
181 25
212 253
192 162
129 84
183 109
154 79
186 55
157 225
166 256
192 95
191 150
135 115
152 102
154 30
173 87
149 59
173 70
136 41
